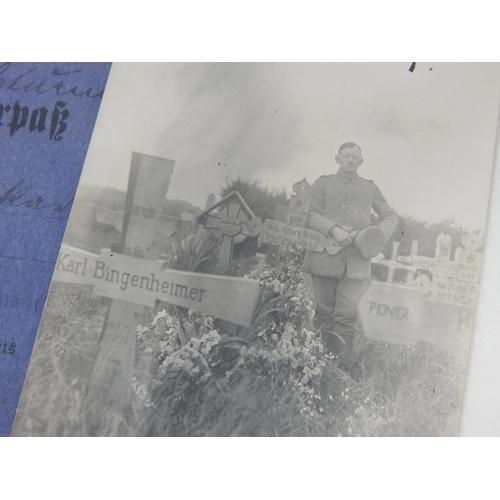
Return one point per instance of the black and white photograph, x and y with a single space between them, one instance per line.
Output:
271 249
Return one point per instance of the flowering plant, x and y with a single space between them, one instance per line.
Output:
188 351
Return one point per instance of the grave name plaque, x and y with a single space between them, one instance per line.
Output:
75 266
143 282
279 233
400 315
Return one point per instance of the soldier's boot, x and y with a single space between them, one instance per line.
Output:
324 325
328 339
343 349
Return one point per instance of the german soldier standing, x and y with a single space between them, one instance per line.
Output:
340 208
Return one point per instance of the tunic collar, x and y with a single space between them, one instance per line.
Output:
343 177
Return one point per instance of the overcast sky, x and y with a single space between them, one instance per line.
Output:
427 136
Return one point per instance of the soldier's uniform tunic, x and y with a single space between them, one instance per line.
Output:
345 201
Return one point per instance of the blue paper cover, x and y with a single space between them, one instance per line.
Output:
47 114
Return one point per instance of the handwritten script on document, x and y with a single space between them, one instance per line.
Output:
47 114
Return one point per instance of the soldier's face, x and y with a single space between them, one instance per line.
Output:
349 160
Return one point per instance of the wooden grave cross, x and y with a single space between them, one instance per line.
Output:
110 378
132 280
233 221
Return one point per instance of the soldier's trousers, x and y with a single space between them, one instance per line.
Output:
336 311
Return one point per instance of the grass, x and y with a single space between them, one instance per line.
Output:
391 391
398 391
401 392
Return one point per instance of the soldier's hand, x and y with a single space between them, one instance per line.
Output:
342 237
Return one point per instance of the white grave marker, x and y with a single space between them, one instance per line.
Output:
440 311
298 207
